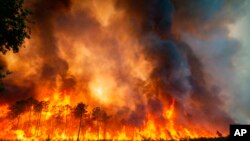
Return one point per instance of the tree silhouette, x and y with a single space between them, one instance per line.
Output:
67 109
30 104
38 110
14 30
79 112
101 117
17 109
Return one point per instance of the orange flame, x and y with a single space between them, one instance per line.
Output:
93 65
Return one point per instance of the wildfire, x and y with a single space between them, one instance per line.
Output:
106 70
44 119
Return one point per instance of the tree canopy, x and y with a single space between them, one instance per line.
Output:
13 25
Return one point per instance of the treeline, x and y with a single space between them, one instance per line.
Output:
31 112
43 119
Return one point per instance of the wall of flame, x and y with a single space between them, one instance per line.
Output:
161 69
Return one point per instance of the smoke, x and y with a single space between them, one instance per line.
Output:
239 101
136 55
208 33
178 72
44 13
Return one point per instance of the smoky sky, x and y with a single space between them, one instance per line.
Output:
187 43
178 71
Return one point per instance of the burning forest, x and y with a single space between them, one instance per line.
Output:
124 70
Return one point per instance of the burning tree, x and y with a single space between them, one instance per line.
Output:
17 110
101 118
80 111
31 102
38 110
135 58
67 109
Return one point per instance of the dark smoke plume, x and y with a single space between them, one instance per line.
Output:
170 33
178 72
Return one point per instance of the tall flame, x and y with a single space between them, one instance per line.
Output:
112 69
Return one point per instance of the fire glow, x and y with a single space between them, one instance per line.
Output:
43 119
114 70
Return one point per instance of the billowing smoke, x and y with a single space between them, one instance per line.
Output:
178 72
44 13
134 58
46 49
208 31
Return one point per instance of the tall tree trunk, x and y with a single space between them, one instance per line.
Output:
98 126
80 124
38 124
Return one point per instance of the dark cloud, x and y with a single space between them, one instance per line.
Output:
178 71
